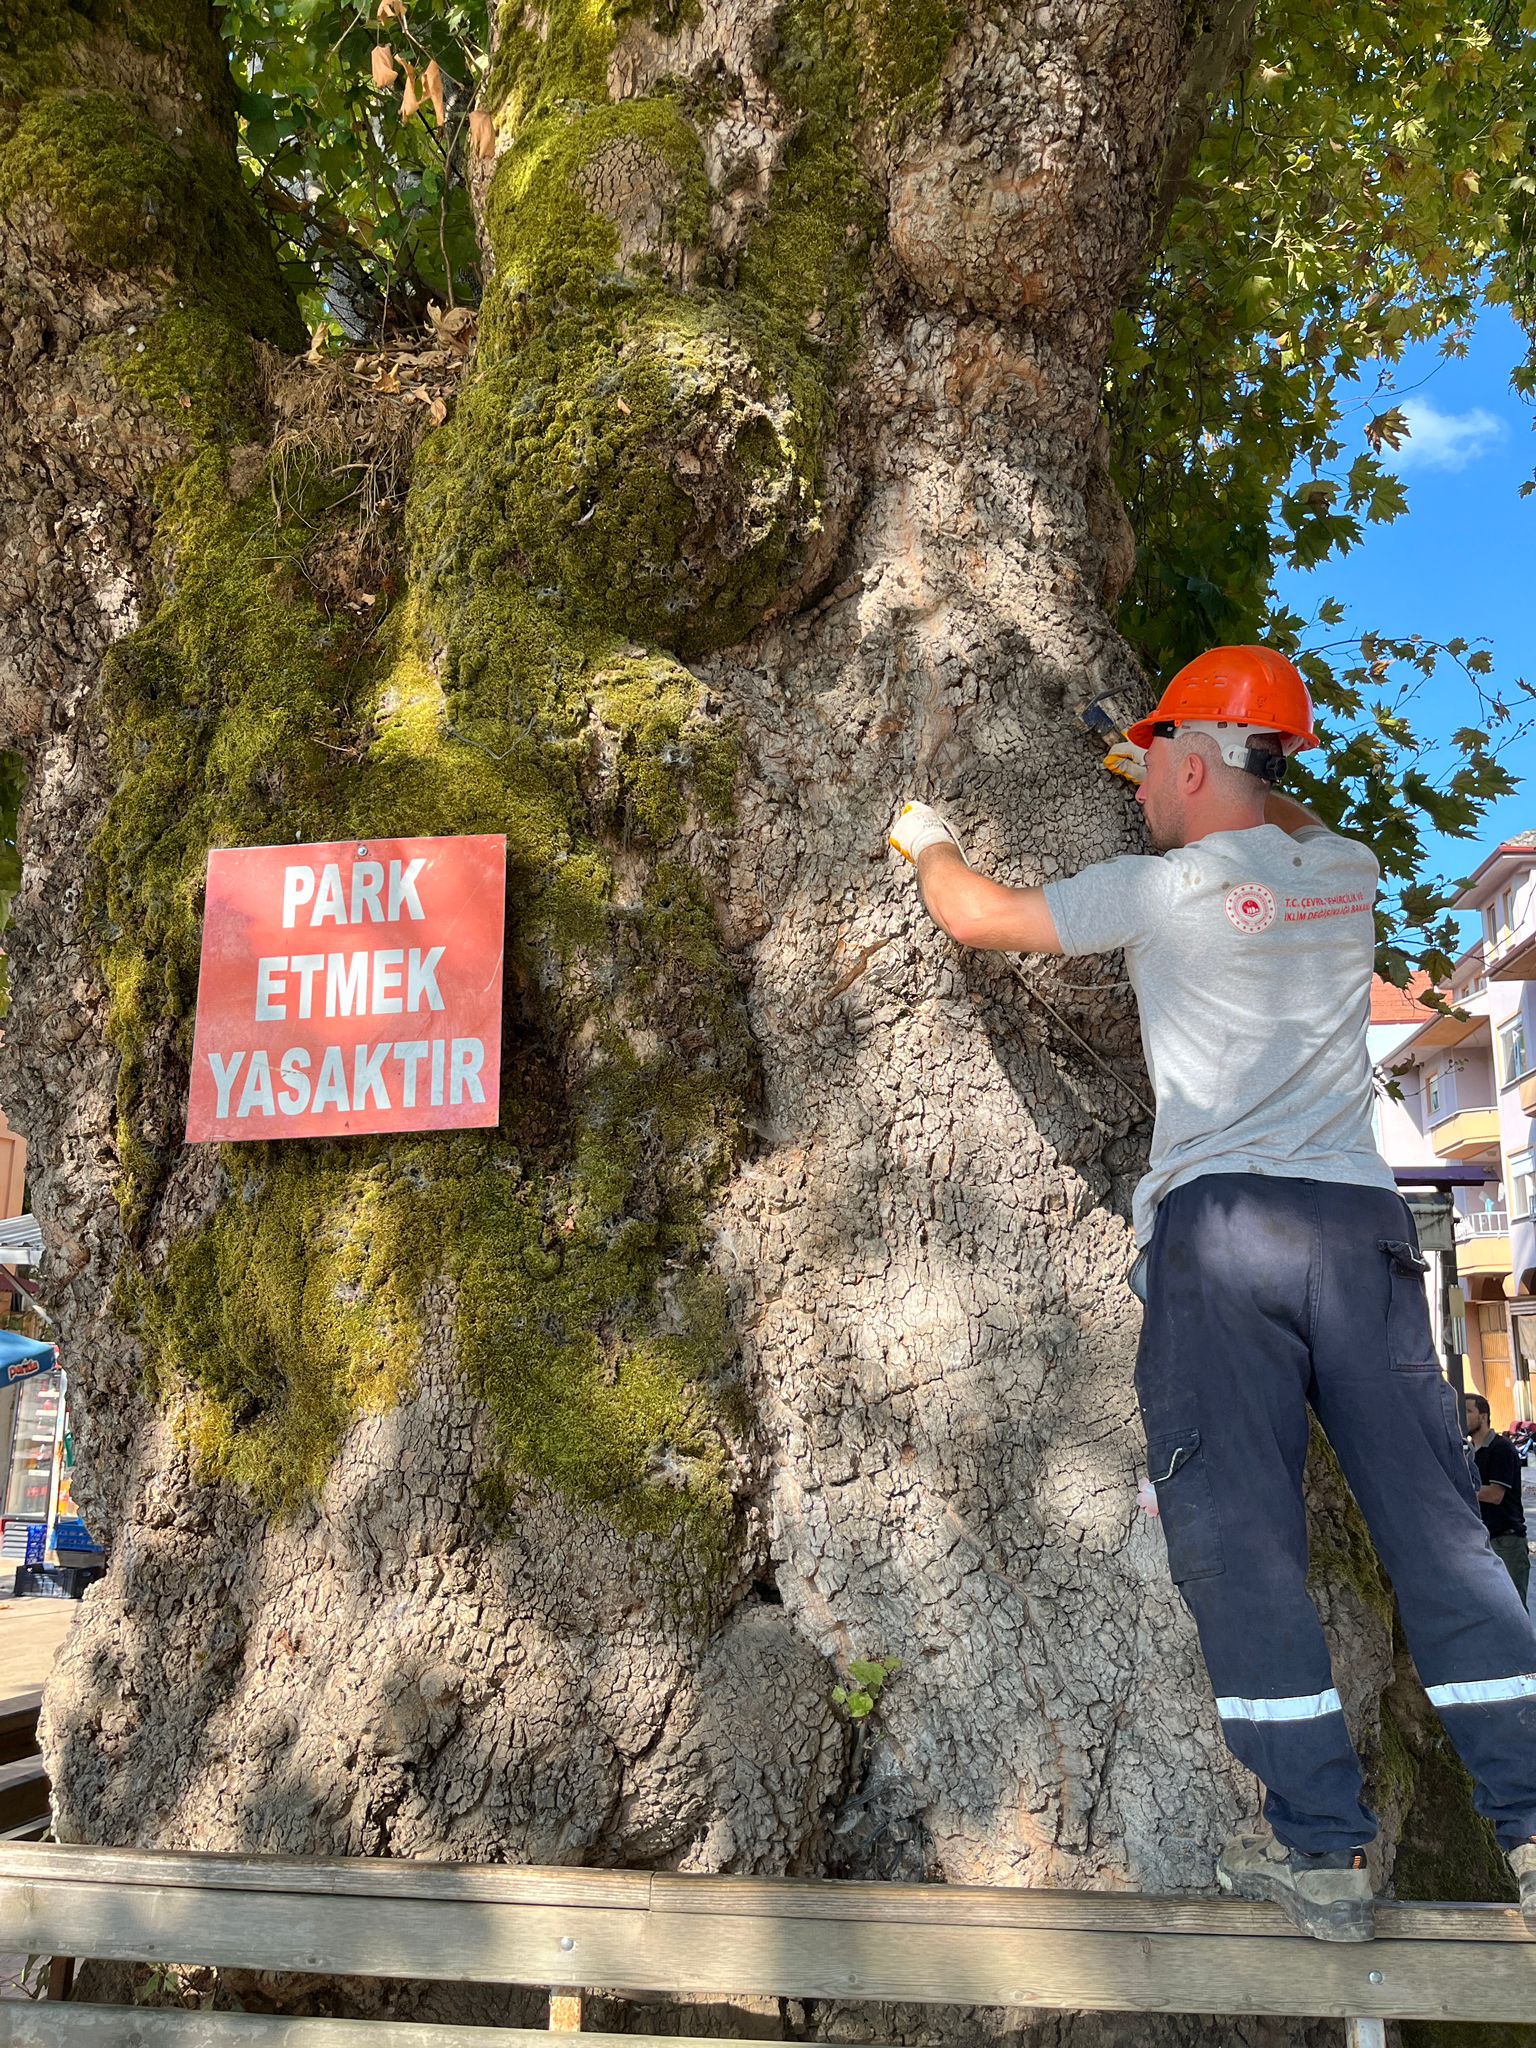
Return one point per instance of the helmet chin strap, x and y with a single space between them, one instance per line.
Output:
1233 741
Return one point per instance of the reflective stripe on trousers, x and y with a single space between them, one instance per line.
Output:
1266 1296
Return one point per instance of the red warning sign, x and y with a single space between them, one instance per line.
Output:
350 988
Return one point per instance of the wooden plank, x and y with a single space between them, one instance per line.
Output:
726 1897
18 1723
1019 1906
329 1876
24 1793
565 2012
25 2025
733 1955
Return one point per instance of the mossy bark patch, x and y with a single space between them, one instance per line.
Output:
135 199
652 475
246 711
629 478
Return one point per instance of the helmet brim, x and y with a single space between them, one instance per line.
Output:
1142 734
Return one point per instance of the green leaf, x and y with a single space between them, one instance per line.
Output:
870 1676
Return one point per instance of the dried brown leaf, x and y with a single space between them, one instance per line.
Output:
457 328
432 89
482 133
410 98
1389 428
384 72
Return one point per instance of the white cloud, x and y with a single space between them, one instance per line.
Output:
1445 440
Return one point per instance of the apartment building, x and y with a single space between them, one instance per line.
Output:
1457 1121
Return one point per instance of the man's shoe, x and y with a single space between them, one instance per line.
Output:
1522 1861
1326 1896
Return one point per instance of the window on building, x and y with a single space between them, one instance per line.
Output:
1512 1054
1506 913
1434 1095
1522 1183
1490 924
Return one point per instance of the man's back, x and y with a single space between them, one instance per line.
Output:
1498 1464
1251 956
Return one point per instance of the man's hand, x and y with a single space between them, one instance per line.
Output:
1127 760
973 910
916 827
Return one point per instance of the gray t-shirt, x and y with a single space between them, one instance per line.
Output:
1251 956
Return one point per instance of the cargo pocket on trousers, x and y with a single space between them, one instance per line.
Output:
1410 1340
1185 1505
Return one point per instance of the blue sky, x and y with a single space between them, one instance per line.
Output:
1461 559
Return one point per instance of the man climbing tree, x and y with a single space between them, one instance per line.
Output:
522 1493
1279 1268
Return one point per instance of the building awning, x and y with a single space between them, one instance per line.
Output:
1443 1029
21 1240
1442 1175
1515 853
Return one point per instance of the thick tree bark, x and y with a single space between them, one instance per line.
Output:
790 369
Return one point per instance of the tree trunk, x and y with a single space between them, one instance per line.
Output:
523 1496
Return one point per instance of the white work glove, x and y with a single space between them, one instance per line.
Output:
917 827
1126 759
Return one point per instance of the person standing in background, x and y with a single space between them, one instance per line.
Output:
1499 1498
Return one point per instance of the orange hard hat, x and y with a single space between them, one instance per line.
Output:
1252 686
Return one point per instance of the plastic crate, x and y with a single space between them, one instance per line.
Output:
36 1537
54 1582
42 1582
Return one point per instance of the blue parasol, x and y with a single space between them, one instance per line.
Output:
21 1357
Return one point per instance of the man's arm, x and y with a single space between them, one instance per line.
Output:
977 912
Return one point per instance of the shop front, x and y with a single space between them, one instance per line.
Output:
41 1533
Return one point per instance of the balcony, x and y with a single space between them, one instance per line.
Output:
1482 1244
1513 958
1465 1134
1528 1094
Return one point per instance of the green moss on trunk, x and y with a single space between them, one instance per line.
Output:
630 476
118 121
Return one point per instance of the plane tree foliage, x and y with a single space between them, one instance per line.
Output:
1355 192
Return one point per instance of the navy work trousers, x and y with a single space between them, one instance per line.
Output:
1264 1295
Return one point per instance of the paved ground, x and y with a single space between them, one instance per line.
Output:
30 1633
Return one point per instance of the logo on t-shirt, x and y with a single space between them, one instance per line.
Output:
1250 907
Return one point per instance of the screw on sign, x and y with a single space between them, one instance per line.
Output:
350 988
